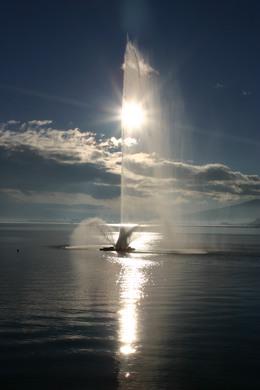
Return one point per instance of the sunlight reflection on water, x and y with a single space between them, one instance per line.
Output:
132 280
133 277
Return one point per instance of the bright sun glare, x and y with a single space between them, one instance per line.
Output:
132 115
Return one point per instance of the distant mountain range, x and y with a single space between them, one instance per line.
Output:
247 212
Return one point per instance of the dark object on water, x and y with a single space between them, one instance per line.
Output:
17 250
107 248
113 249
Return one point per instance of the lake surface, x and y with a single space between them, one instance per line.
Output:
85 319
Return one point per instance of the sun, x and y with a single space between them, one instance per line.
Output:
132 115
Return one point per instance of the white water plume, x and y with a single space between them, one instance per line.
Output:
141 121
92 232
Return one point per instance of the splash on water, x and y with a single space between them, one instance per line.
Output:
92 232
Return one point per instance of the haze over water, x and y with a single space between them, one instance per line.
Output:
84 319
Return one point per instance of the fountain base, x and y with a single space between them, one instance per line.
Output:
113 249
123 242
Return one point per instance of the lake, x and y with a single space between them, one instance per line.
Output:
86 319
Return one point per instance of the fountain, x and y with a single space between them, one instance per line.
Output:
139 119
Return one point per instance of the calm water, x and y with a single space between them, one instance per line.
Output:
83 319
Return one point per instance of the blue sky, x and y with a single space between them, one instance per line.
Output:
61 62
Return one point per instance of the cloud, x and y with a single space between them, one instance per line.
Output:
61 198
41 163
219 85
71 146
45 96
39 123
13 122
217 181
246 93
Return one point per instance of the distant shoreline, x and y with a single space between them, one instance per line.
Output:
220 225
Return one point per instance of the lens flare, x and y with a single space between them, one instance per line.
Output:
132 115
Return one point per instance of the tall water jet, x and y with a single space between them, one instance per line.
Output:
141 141
140 125
142 184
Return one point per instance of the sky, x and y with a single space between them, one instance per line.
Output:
60 86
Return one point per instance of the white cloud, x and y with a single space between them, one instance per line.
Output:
40 122
13 122
145 174
64 146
